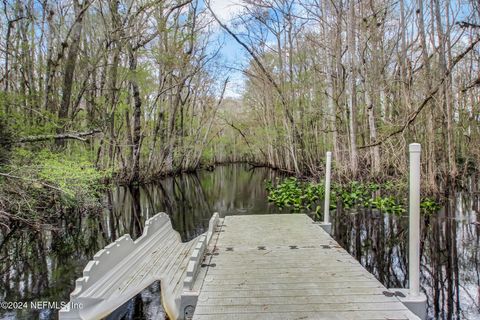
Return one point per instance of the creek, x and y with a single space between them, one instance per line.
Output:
450 250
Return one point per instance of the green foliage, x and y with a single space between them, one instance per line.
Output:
429 206
296 195
287 194
354 194
5 141
388 204
74 178
21 124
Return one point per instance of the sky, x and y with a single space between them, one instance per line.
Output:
234 56
225 9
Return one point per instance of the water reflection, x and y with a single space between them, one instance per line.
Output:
145 305
43 266
450 269
190 200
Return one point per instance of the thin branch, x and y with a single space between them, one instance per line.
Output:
466 24
231 124
475 83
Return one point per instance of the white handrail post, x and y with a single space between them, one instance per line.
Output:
328 169
414 220
326 225
412 298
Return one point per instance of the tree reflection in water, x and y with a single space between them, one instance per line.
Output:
43 266
450 269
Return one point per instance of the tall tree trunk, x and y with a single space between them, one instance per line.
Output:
352 101
375 152
48 70
137 114
331 71
339 83
70 65
445 98
430 150
112 79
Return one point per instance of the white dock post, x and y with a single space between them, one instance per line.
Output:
412 298
326 225
414 220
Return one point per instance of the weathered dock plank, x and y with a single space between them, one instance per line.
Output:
287 267
337 315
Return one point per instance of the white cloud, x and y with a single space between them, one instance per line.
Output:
225 10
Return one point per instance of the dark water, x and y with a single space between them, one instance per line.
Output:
47 263
450 254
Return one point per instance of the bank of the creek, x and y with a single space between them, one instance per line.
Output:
450 242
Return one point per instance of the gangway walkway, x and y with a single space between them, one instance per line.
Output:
125 267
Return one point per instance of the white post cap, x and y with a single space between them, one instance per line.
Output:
414 147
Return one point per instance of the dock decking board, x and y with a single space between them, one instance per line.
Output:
287 267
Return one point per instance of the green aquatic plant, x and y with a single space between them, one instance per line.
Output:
388 204
298 195
357 194
354 194
429 206
286 194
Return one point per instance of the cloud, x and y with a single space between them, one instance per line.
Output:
225 10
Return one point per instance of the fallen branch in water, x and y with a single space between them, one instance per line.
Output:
63 136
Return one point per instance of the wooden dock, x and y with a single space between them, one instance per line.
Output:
287 267
244 267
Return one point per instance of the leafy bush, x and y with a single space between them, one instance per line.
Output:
36 187
74 177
